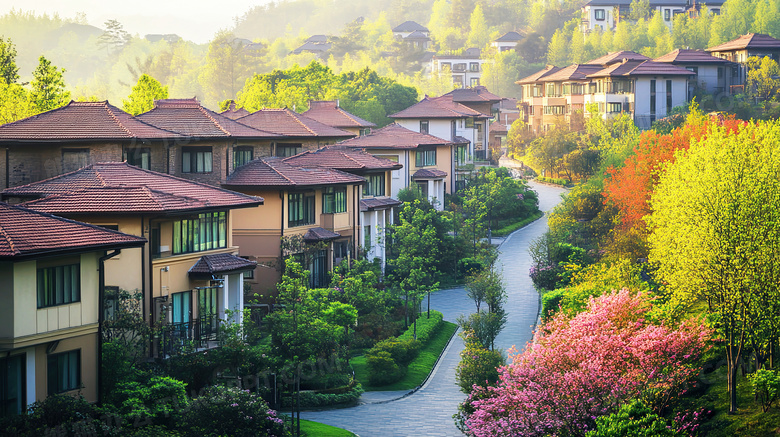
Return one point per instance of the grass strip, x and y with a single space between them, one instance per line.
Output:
418 369
316 429
508 229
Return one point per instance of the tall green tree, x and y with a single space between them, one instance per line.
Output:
14 103
9 72
478 29
114 38
48 87
716 231
144 93
230 61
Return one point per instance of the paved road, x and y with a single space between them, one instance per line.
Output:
428 412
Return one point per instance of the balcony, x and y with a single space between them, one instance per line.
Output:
200 333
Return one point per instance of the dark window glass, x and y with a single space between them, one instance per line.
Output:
241 155
285 150
424 126
196 160
12 385
300 209
334 200
206 232
425 157
139 157
668 96
59 285
375 185
74 159
599 14
63 371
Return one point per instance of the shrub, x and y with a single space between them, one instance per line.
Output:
551 301
766 387
425 327
632 420
151 402
313 399
57 415
382 368
469 267
478 366
229 411
402 351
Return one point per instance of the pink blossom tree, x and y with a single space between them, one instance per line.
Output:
584 366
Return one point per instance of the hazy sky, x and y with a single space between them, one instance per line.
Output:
195 20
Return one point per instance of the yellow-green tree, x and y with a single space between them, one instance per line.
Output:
145 92
48 87
716 231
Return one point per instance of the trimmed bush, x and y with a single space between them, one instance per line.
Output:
556 181
313 399
551 302
382 368
224 411
425 327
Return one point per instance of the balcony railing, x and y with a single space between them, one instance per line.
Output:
176 337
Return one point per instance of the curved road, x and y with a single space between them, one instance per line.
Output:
428 411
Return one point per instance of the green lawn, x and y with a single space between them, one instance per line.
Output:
511 227
315 429
419 368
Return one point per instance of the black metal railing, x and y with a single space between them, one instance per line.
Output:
178 337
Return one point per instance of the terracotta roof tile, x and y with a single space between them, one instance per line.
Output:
395 136
140 190
613 57
188 117
342 158
274 172
372 203
410 26
548 70
572 72
220 263
234 114
329 113
82 121
477 94
283 121
642 68
28 233
748 41
319 234
429 173
684 56
510 36
438 107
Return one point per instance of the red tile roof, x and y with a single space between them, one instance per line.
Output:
477 94
234 114
342 158
395 136
611 58
25 233
329 112
684 56
122 188
642 68
219 264
188 117
749 41
274 172
572 72
372 203
82 121
282 121
438 107
429 173
546 71
320 234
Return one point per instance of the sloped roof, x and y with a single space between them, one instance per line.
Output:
429 173
283 121
477 94
188 117
234 114
613 57
410 26
748 41
82 121
122 188
342 158
395 136
329 112
417 35
642 68
25 233
546 71
510 36
319 234
311 46
438 107
372 203
220 264
274 172
572 72
684 56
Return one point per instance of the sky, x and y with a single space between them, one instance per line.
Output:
194 20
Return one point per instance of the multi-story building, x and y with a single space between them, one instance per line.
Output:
714 75
507 41
744 47
465 68
606 14
51 270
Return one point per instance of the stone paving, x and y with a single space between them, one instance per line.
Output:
429 410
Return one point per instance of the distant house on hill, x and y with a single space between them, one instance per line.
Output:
316 44
466 67
606 14
407 28
740 49
507 41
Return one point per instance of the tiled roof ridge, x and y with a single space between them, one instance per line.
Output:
278 172
58 177
116 119
214 120
8 239
296 117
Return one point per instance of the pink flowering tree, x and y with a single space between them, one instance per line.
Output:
584 366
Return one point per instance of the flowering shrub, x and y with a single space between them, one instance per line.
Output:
545 277
229 411
585 366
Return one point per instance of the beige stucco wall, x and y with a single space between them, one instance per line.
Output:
87 344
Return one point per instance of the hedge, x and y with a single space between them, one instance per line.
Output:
425 327
556 181
313 399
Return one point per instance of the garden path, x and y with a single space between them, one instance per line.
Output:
428 411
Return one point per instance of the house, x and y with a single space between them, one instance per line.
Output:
465 67
313 211
51 270
315 44
507 41
211 145
296 132
188 272
714 75
407 28
428 161
328 112
376 207
80 133
744 47
507 113
606 14
445 118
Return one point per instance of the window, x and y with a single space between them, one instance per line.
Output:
365 131
241 155
319 269
667 14
12 385
693 69
285 150
454 130
196 160
474 66
139 157
460 154
614 107
461 66
74 159
207 310
206 232
375 185
469 123
425 157
300 209
59 285
668 96
423 187
424 126
474 82
334 200
181 308
599 14
367 237
111 303
63 371
720 72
